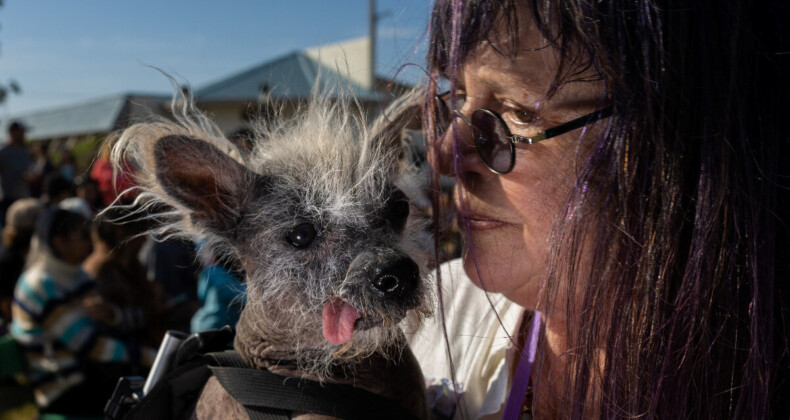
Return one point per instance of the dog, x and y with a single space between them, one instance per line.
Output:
316 212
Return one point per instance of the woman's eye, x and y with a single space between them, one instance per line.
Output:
301 236
522 117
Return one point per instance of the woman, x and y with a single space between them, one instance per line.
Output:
647 225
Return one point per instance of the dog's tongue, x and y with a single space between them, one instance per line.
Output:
339 319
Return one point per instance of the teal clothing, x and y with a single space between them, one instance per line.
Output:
56 334
223 296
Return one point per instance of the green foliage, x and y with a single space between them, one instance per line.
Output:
85 152
11 87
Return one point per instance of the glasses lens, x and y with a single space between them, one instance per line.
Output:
492 141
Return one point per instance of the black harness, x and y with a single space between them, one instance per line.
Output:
264 395
267 396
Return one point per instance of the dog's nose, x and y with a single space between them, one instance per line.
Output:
398 278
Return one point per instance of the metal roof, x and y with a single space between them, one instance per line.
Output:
292 76
94 116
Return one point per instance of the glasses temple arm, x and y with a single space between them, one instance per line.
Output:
460 115
573 124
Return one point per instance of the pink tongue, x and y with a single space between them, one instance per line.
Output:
339 319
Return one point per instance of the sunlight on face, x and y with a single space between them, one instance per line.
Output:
510 216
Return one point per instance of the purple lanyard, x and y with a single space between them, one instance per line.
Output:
518 389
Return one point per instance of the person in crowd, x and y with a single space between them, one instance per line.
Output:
67 167
221 291
76 205
111 183
624 207
121 277
56 189
40 170
59 324
88 190
173 265
14 165
102 173
18 231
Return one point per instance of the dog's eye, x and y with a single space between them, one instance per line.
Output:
301 236
397 210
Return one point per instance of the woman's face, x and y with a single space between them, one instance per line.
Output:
510 216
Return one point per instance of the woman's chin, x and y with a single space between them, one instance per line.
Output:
481 273
500 271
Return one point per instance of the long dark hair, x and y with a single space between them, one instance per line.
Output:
681 282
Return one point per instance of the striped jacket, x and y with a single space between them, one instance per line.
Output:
55 332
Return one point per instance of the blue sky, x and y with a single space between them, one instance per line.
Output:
63 52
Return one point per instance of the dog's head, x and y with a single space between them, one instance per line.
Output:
317 213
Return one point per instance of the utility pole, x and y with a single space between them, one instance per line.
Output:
372 27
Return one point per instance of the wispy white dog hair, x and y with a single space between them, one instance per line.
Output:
316 213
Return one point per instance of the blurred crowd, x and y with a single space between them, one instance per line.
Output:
85 292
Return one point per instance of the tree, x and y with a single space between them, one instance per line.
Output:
9 87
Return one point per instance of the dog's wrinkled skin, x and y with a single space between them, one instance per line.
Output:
316 213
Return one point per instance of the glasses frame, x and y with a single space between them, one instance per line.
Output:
546 134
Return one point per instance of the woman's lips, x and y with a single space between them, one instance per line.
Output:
478 222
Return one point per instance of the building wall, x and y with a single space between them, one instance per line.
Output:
232 117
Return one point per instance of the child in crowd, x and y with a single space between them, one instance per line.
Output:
73 364
20 221
121 278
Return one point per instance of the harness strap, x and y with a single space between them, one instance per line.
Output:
261 413
232 359
267 396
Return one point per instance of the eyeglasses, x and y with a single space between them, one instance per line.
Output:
493 140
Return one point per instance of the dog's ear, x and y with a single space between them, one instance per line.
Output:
209 183
403 114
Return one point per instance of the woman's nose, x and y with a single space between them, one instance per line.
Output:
442 155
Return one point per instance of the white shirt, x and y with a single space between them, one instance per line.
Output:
478 344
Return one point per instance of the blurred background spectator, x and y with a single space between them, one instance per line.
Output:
60 322
40 170
88 189
67 167
173 264
14 164
221 292
18 231
56 189
111 183
121 278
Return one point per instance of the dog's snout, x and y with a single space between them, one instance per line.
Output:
398 278
391 274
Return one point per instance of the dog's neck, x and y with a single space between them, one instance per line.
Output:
396 376
265 348
264 345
